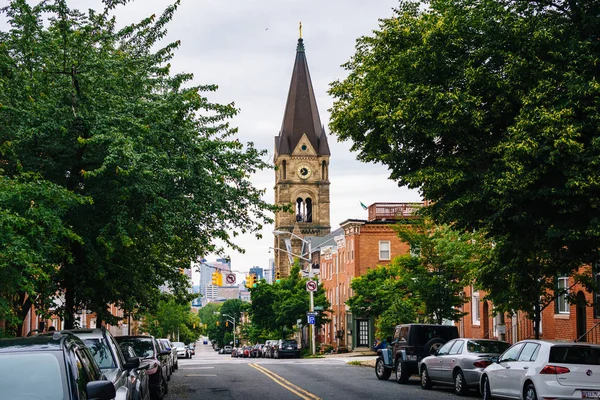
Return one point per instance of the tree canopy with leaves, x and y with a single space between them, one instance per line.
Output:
107 159
276 307
491 110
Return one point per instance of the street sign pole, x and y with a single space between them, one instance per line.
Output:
312 300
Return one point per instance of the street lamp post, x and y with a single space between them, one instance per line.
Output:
232 320
312 297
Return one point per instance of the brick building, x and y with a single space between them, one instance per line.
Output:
560 320
363 245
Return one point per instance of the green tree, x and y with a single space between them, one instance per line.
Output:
442 262
276 308
94 111
490 109
382 294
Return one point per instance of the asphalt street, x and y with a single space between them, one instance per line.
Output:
209 375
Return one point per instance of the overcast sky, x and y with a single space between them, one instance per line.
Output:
247 48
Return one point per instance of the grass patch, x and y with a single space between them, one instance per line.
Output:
354 362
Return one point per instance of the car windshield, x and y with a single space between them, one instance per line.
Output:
20 370
142 346
486 346
178 344
289 342
101 353
575 355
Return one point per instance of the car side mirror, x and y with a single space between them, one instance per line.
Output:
101 390
164 352
132 363
494 359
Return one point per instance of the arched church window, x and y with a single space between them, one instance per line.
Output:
324 170
308 210
300 211
284 169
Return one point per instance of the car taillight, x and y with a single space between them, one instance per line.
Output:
481 363
554 370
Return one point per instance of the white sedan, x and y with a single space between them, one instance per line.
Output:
182 351
533 369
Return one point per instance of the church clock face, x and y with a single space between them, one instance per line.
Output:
304 171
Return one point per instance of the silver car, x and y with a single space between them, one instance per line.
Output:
459 363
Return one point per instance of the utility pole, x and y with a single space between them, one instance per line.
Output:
312 300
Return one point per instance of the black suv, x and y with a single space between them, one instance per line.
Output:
57 366
409 345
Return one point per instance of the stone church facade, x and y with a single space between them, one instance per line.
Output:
302 170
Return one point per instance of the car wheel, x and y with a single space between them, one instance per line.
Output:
530 393
460 384
485 388
401 373
425 381
161 390
381 371
177 365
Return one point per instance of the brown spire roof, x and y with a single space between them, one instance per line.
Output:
301 114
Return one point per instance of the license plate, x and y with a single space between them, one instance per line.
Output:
590 394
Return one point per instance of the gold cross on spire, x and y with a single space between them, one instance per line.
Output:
300 29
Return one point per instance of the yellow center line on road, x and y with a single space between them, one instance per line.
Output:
286 384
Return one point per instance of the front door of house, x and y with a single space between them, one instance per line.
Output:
362 339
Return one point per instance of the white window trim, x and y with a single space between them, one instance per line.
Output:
475 303
563 304
389 250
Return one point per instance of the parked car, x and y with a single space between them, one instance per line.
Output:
157 360
246 351
227 349
532 369
234 351
182 350
256 350
192 349
166 344
286 348
460 362
409 345
267 350
130 381
36 366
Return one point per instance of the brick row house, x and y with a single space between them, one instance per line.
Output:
561 320
363 244
366 244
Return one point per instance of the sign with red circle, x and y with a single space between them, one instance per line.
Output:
230 279
311 286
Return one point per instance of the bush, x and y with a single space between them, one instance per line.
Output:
341 350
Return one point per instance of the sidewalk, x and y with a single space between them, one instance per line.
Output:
366 357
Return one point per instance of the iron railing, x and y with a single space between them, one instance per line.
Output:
591 336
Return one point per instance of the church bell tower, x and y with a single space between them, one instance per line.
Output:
302 173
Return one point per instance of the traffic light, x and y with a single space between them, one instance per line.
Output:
227 324
254 280
277 275
217 323
215 278
219 279
250 281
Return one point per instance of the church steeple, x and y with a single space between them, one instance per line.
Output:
302 169
301 116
